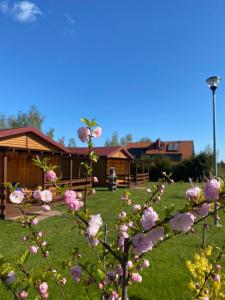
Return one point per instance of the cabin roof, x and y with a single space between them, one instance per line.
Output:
100 151
4 133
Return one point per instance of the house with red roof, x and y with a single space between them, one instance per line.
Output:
176 151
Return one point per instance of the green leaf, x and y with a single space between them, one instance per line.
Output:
85 121
24 257
101 274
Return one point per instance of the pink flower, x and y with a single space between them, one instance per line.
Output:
149 218
84 134
43 243
141 243
202 210
39 233
23 294
75 205
129 264
33 249
95 179
156 234
123 228
193 193
34 221
46 196
94 224
182 222
122 215
212 190
11 277
37 194
97 132
51 175
76 273
136 277
136 207
94 242
145 264
16 197
216 277
218 267
43 288
69 196
113 296
46 207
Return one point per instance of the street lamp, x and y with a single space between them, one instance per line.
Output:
213 82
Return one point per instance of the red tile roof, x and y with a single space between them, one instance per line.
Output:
138 145
24 130
100 151
186 148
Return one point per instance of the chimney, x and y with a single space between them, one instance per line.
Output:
158 143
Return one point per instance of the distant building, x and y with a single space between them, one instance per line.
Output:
175 150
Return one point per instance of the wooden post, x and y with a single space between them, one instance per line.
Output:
136 172
71 171
128 173
3 193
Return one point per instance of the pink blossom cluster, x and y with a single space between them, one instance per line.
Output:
144 242
23 294
212 190
182 222
97 132
43 290
94 225
84 134
202 210
51 175
193 193
73 202
136 277
113 296
123 234
149 218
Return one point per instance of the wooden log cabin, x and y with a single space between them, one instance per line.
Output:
17 149
116 156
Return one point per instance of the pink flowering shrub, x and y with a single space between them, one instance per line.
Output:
138 229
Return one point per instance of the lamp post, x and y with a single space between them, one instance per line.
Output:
213 82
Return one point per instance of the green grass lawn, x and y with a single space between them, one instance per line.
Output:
167 278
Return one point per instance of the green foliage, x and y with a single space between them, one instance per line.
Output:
158 165
62 140
114 141
72 142
51 133
44 164
196 168
23 119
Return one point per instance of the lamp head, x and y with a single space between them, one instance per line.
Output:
213 82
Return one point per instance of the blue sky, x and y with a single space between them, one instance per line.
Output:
136 66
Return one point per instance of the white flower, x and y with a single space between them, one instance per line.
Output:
16 197
46 196
94 224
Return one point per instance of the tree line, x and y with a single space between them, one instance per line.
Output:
32 118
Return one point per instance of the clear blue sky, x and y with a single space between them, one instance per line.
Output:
136 66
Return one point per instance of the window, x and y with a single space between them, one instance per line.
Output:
173 147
